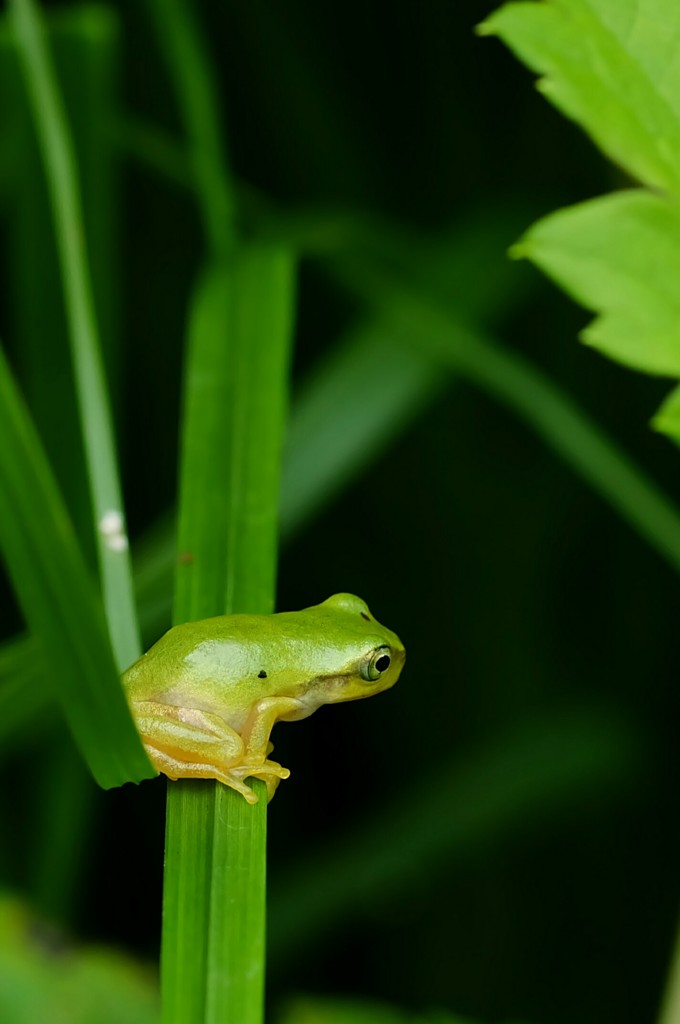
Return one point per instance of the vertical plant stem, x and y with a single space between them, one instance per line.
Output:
95 414
213 960
236 387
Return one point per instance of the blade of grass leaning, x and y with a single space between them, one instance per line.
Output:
59 601
542 404
424 321
562 425
235 400
95 416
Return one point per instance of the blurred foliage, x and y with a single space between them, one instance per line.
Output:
616 255
507 811
45 976
345 1011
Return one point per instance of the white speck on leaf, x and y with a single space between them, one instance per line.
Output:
112 529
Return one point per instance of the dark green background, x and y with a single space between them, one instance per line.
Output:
527 608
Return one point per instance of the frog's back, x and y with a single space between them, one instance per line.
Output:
224 651
211 649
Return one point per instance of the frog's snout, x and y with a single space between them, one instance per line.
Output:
398 657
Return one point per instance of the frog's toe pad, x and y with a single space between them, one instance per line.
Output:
264 770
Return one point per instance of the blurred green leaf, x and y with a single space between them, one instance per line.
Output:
45 977
59 601
611 66
27 700
312 1010
667 417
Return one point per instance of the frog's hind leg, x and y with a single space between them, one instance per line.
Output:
185 743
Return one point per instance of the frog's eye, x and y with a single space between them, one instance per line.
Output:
377 665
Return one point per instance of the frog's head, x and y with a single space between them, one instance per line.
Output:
372 656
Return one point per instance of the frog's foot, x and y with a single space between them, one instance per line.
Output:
260 770
175 769
269 772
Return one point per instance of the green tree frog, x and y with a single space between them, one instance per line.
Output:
206 697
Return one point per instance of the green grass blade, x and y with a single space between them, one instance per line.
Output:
213 954
187 900
96 426
179 34
59 602
233 474
236 940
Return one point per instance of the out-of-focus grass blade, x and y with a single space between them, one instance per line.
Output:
505 788
61 822
47 978
96 427
213 920
180 36
362 395
59 601
84 46
27 701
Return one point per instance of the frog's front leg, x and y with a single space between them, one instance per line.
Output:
256 731
262 719
187 743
